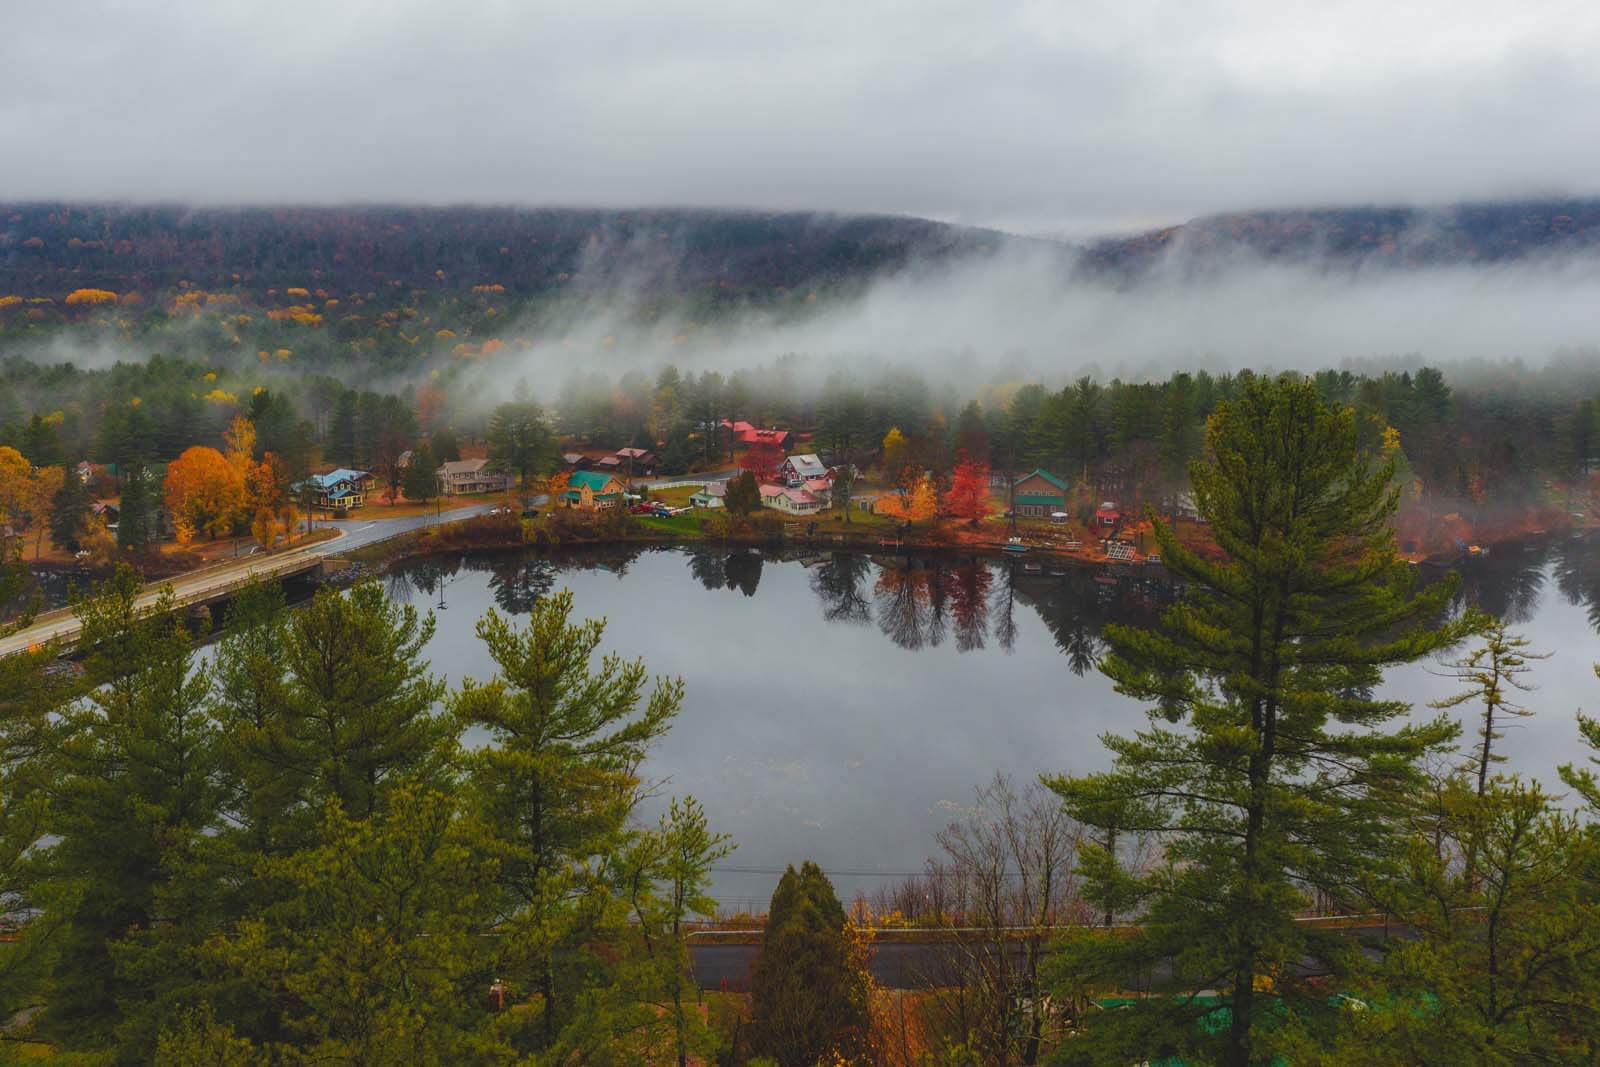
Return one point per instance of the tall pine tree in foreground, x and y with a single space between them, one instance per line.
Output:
556 788
1269 767
809 1002
134 796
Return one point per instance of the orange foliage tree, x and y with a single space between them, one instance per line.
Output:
915 499
968 497
90 297
204 492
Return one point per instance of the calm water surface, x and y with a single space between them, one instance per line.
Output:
842 708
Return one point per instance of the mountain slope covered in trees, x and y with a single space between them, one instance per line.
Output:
1401 237
49 249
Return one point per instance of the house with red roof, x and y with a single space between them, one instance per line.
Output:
1108 514
745 434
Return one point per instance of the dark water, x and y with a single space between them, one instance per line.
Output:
842 708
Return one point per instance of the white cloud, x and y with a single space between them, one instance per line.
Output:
1035 115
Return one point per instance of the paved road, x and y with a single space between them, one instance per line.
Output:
931 964
360 532
211 581
895 964
702 476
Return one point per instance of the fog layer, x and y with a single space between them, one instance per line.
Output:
1020 312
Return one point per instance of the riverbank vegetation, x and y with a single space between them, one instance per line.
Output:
284 852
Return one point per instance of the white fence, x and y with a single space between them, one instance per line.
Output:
681 484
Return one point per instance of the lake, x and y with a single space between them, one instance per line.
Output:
843 708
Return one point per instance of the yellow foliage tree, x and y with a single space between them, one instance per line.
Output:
895 451
265 528
924 500
240 441
44 485
16 498
98 542
90 297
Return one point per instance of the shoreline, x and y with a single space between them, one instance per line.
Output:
483 534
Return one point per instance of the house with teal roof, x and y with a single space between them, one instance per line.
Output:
339 490
1038 495
593 491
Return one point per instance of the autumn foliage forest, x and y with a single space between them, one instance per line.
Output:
131 336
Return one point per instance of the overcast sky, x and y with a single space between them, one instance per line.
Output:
1050 117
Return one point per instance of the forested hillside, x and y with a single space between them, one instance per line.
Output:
1403 237
51 249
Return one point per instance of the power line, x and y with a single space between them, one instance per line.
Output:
842 872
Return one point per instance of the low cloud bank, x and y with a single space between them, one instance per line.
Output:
1024 312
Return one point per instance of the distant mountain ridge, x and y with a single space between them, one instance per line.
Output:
1401 237
47 249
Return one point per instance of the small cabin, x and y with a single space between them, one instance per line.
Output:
1038 495
710 495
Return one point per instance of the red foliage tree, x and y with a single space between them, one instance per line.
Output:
763 459
968 497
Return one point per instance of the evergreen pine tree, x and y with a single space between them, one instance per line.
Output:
421 480
808 1000
1500 964
252 706
361 700
519 440
557 784
1282 781
69 512
1493 673
342 434
136 526
744 495
374 953
136 797
29 695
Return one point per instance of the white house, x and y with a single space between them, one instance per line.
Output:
710 495
791 501
462 477
801 468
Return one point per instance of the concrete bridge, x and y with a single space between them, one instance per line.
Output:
213 584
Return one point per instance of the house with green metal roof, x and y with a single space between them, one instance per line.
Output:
1039 494
593 491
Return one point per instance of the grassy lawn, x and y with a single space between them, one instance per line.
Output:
689 523
674 498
